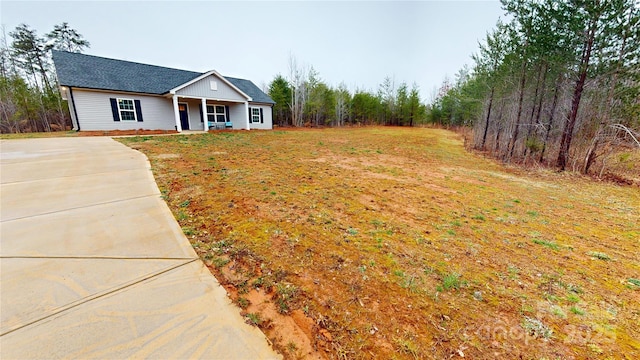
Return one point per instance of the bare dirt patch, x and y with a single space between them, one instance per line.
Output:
168 156
389 242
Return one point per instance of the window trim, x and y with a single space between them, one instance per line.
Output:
253 116
120 110
215 113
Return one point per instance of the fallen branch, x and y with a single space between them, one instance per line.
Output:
627 130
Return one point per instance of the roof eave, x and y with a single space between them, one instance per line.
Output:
111 90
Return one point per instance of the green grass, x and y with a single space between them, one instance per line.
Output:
36 135
285 295
242 302
254 319
188 231
572 298
576 310
479 217
451 281
551 245
220 262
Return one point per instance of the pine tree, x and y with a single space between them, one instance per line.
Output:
62 37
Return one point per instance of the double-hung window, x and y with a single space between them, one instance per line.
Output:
216 113
126 110
255 115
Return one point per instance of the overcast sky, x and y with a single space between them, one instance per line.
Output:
358 43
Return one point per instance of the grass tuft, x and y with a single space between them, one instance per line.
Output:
285 295
576 310
536 328
551 245
599 255
253 319
451 281
407 346
243 303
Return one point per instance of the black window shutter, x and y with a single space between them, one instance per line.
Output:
261 119
138 110
114 110
201 114
226 110
250 116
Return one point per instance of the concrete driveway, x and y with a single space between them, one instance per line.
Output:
93 264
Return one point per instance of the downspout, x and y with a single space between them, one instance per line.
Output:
73 103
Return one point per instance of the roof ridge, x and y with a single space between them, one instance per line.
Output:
98 72
127 61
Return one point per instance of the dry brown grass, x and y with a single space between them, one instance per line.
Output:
396 242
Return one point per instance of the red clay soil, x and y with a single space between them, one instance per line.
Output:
379 243
125 132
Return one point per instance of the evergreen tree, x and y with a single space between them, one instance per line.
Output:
62 37
30 53
280 92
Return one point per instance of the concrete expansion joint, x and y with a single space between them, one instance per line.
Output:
69 176
99 295
94 264
155 193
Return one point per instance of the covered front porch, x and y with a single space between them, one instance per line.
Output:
205 114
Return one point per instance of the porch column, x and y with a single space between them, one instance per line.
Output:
176 113
246 112
205 118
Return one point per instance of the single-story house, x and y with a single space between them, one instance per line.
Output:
110 94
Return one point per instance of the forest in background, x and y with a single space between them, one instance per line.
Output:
303 99
30 100
29 97
557 84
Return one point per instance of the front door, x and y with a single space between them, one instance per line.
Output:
184 116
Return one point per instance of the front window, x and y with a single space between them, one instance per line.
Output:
127 110
255 115
216 113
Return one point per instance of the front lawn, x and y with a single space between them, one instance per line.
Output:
396 242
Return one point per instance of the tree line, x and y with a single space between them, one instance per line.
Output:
29 96
557 84
303 99
30 100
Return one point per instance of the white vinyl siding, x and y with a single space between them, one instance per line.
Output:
194 114
202 88
94 111
267 118
238 116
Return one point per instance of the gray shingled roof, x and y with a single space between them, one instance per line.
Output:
250 89
94 72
